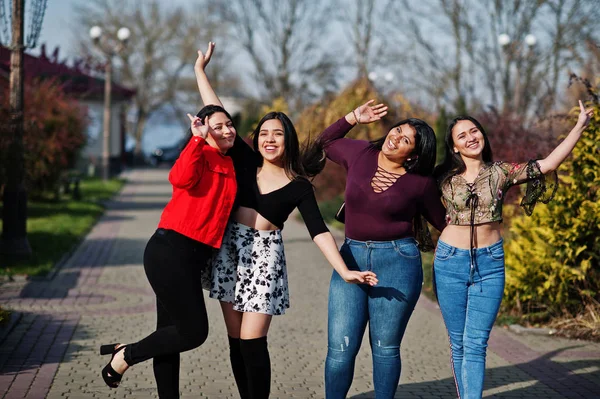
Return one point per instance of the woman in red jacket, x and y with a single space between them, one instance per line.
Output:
191 225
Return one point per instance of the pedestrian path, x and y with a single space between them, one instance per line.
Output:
101 295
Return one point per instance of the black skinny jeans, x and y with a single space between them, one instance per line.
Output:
173 265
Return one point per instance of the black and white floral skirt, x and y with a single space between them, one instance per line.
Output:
249 270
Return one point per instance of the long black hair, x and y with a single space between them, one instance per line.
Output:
291 158
453 163
422 160
203 114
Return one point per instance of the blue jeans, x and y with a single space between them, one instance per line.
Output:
469 309
387 307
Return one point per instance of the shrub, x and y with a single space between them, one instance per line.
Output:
553 257
54 132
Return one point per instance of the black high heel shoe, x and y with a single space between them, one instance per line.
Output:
110 376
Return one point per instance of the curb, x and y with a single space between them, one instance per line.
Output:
519 329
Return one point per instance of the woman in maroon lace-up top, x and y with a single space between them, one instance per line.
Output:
388 187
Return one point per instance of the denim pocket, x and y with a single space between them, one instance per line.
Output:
443 252
408 250
496 252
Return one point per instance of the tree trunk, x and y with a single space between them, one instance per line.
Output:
14 241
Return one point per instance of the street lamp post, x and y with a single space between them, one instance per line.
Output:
109 49
513 51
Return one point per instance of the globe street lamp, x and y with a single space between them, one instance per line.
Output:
374 77
530 40
109 48
513 51
504 40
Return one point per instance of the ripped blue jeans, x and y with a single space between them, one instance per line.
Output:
387 307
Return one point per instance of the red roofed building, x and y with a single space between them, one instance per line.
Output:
79 81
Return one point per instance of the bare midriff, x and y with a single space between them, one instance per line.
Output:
251 218
486 234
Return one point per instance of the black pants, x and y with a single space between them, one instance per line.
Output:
173 265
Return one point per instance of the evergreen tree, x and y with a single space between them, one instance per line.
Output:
553 257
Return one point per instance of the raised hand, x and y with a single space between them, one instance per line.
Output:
199 129
368 113
354 277
204 58
584 115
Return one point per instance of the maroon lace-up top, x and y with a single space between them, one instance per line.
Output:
386 215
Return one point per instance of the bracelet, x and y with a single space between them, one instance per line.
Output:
355 118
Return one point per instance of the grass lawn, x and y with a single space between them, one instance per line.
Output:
53 228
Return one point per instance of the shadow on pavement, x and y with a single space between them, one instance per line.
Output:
544 373
56 288
37 340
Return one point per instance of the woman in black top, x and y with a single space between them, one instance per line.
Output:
249 271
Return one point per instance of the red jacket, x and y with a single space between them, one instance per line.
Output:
204 190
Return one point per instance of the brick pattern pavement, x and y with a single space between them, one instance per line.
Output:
101 295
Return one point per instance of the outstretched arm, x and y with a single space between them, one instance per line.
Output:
313 219
366 113
209 97
241 151
328 246
558 155
343 151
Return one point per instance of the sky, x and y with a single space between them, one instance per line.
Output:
58 26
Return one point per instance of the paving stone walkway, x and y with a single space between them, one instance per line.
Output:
101 295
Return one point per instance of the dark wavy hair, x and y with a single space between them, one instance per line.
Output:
453 163
422 160
204 113
292 156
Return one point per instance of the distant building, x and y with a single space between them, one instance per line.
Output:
79 82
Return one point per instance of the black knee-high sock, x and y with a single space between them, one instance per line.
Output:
238 368
258 366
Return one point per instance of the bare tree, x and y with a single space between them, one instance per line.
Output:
161 49
358 22
366 25
285 42
511 54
